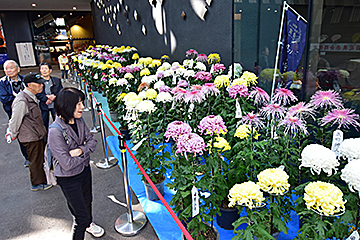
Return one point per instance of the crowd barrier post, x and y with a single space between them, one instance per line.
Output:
86 109
131 222
95 128
106 162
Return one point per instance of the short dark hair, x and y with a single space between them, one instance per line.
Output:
45 64
66 101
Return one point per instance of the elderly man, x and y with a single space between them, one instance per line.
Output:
26 124
10 86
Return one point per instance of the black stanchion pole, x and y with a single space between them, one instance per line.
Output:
86 109
106 162
95 128
130 223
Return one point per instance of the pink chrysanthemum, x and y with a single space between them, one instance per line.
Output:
301 110
284 96
191 53
260 96
294 125
175 129
343 117
210 89
212 124
179 93
253 119
325 99
242 90
203 76
183 83
201 57
274 110
164 88
194 96
195 87
190 143
218 67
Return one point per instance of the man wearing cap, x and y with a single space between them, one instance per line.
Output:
27 125
10 86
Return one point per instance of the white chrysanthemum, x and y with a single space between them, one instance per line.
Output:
189 73
165 66
122 81
164 97
351 175
350 149
168 73
273 181
146 106
158 84
112 81
180 71
149 79
200 66
131 100
189 63
128 76
142 94
317 158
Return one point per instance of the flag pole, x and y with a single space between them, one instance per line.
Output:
285 7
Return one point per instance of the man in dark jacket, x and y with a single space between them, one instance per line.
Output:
52 86
10 86
26 125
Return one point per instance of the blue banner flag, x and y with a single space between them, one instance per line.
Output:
293 39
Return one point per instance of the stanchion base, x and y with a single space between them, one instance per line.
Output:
95 129
106 163
126 228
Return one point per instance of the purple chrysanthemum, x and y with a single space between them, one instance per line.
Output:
328 98
242 90
203 76
210 89
274 110
190 143
212 124
164 88
201 58
136 69
260 96
175 129
183 83
301 110
253 119
294 125
194 96
344 117
160 74
284 96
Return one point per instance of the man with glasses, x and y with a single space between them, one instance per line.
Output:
10 86
27 125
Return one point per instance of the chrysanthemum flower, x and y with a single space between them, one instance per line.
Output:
112 81
132 100
246 194
325 198
240 90
120 97
194 96
175 129
212 124
210 89
182 83
164 97
149 79
284 96
260 96
143 86
222 81
273 181
317 158
244 131
214 58
351 175
201 57
239 81
221 143
179 93
218 68
200 66
343 117
190 143
294 125
203 76
253 119
158 84
274 110
145 72
191 53
150 94
250 78
164 88
301 110
128 76
135 56
350 149
146 106
326 99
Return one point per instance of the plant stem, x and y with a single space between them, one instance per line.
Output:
148 132
357 216
271 214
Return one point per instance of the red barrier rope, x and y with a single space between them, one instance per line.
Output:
162 199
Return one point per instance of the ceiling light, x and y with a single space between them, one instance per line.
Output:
70 13
74 7
33 4
39 15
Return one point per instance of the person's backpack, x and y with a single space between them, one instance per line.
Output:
49 161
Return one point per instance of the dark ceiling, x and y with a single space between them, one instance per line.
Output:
45 5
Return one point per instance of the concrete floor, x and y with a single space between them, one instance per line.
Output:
43 215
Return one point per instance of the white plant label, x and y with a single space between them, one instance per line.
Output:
338 137
174 79
191 107
96 76
354 236
273 133
195 201
138 145
238 113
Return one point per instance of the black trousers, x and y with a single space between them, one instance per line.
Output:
78 193
35 151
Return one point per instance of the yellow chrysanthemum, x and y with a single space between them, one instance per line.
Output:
165 57
222 81
325 198
103 66
120 97
90 47
117 65
135 56
95 65
243 131
246 194
238 82
128 76
249 77
214 58
150 94
112 81
145 72
273 181
109 62
122 47
222 144
145 61
155 63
